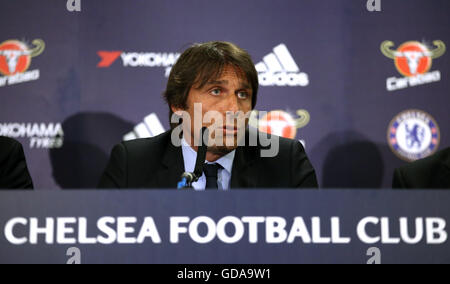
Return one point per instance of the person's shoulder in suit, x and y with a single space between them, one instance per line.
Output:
430 172
14 172
289 168
135 157
303 173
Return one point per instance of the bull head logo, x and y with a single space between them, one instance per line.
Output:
18 55
413 58
279 122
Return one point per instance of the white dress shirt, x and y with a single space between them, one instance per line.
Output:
223 176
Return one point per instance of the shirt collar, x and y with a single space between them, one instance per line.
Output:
190 157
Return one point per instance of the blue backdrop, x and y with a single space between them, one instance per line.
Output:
74 83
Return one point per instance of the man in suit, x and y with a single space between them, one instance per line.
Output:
217 82
13 167
431 172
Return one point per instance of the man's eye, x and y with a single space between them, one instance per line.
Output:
215 92
242 95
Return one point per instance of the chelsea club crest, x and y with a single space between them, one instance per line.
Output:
413 135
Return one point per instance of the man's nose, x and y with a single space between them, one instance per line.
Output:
232 104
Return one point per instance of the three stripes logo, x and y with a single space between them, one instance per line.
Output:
150 127
279 69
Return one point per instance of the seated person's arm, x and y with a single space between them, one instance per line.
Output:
13 167
115 175
303 172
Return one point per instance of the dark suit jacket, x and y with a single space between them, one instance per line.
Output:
156 163
431 172
13 167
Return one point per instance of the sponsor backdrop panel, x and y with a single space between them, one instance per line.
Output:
364 91
376 89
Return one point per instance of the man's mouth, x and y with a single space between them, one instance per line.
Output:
230 130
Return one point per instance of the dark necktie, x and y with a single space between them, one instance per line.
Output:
211 171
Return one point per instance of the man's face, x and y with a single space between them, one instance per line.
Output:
220 99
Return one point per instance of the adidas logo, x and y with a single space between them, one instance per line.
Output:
151 126
279 69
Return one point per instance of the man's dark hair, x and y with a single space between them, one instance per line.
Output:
203 62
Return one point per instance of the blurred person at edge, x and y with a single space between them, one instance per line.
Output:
430 172
13 166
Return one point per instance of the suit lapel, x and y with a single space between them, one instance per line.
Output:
244 174
172 167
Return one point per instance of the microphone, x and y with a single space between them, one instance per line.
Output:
187 178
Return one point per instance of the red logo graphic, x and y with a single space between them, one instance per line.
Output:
413 58
15 56
282 124
108 58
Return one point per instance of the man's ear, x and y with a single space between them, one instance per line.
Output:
176 110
